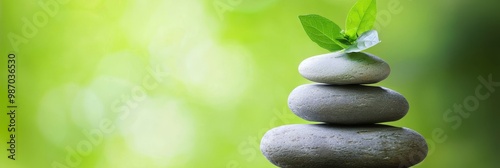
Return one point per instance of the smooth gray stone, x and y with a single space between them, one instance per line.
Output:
318 146
347 104
344 68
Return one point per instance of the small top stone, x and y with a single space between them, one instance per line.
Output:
340 68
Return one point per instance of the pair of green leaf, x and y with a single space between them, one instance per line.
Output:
358 35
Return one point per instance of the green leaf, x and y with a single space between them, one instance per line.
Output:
361 18
365 41
323 32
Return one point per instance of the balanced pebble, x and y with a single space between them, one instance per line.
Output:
321 145
347 104
344 68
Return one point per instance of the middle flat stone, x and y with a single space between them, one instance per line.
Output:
347 104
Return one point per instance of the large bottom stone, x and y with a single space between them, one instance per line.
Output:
321 145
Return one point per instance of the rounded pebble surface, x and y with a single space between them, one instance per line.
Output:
347 104
344 68
326 146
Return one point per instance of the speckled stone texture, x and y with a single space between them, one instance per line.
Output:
328 146
347 104
349 110
344 68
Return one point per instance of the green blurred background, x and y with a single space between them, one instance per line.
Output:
196 83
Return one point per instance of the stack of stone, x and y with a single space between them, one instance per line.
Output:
348 135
